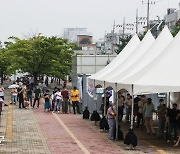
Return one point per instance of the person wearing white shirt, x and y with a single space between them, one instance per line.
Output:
14 94
58 100
2 92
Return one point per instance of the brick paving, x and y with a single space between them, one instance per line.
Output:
59 141
26 136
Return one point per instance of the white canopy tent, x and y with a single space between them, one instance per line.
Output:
161 75
128 49
133 43
157 48
132 58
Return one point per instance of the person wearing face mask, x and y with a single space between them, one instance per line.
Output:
148 113
111 114
140 118
20 91
161 118
172 122
128 103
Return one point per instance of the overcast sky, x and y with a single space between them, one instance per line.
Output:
20 17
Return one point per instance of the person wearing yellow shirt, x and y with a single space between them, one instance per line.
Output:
75 99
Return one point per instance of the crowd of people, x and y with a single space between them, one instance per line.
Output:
25 95
168 118
61 100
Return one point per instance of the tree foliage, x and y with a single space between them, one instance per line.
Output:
123 41
41 55
5 62
176 29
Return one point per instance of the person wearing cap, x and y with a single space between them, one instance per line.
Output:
161 110
111 114
148 113
172 122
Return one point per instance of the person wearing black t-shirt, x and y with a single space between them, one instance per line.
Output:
172 122
20 91
47 104
29 90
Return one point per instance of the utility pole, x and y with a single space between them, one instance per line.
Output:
148 8
136 21
124 26
113 38
148 16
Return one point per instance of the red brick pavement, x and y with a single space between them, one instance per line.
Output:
59 141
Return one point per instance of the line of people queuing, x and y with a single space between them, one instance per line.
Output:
168 118
52 102
61 99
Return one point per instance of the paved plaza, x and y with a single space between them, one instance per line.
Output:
34 131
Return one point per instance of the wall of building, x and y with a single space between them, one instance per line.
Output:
90 64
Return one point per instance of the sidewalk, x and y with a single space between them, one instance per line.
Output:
26 136
68 133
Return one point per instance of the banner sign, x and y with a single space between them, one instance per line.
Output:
90 87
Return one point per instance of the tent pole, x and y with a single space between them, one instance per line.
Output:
104 99
86 90
169 99
132 107
117 104
95 101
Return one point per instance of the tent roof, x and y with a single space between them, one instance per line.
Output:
132 58
162 74
153 51
128 49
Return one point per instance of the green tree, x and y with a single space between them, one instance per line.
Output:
5 62
42 55
123 41
176 29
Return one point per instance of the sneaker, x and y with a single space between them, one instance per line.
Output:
52 111
58 111
168 141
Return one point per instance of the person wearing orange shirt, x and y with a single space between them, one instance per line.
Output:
75 99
